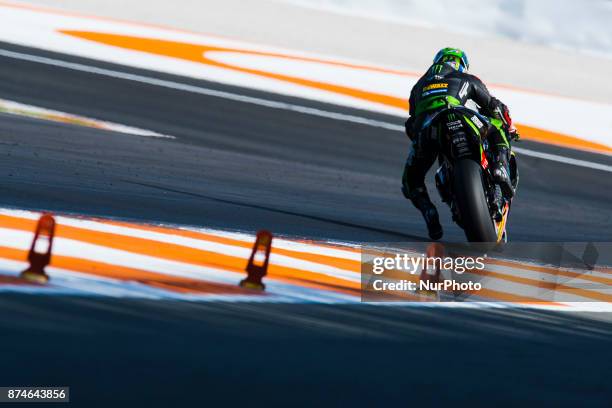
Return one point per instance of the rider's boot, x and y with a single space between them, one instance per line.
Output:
432 220
501 171
421 201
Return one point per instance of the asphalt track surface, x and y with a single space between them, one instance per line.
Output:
245 167
120 353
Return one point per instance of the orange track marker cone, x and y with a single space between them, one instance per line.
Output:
257 266
40 251
434 250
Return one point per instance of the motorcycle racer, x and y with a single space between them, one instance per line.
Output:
447 83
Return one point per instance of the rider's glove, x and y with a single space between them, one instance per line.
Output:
514 134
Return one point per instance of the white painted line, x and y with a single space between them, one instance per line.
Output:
21 109
264 102
135 231
563 159
206 245
68 282
198 90
67 247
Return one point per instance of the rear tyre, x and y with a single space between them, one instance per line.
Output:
472 203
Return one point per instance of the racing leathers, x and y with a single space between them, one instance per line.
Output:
443 86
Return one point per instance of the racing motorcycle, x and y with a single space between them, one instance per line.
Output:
464 179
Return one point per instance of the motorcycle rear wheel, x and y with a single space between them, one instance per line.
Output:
472 203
